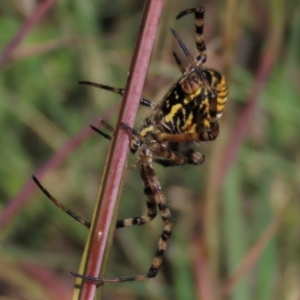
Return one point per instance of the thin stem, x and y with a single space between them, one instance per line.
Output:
94 260
6 54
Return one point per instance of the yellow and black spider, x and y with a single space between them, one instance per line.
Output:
190 112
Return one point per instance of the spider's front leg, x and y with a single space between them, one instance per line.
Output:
179 63
120 91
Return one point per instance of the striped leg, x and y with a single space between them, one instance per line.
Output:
179 63
140 220
59 205
143 101
199 24
171 156
195 65
154 191
151 210
206 135
150 178
189 156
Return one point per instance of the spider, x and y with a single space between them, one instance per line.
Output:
190 112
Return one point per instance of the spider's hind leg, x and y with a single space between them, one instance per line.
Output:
172 155
188 157
199 24
155 196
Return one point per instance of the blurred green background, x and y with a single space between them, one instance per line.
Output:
241 208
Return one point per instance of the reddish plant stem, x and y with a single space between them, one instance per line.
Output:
19 201
253 255
105 212
267 62
246 116
5 55
227 157
52 285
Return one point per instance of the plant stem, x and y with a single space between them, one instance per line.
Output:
97 249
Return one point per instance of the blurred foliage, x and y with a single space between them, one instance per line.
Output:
42 107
